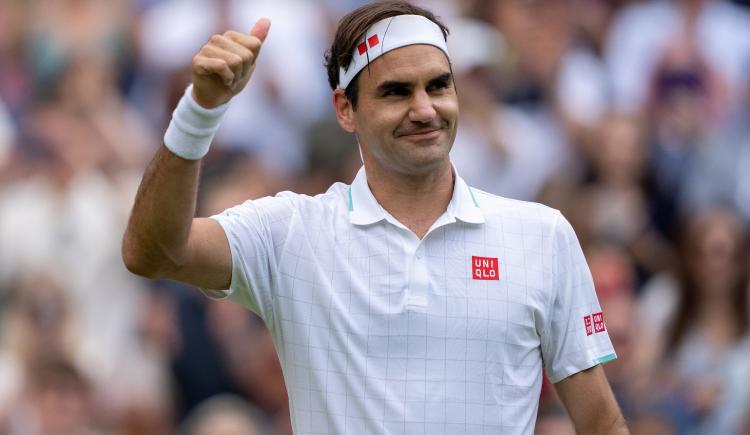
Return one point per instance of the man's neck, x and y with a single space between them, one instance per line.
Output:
415 201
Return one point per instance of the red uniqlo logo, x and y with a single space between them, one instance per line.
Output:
484 268
598 322
372 41
587 322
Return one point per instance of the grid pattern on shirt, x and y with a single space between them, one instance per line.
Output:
359 357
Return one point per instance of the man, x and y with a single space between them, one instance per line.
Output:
406 302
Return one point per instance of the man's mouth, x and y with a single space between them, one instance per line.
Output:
427 133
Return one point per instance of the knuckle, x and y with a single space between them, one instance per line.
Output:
253 43
234 61
215 39
204 53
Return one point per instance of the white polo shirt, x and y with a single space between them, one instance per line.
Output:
379 332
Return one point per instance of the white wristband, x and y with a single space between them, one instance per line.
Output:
192 127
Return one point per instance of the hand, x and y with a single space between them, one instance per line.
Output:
223 66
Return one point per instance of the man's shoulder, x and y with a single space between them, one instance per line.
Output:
333 198
499 208
285 204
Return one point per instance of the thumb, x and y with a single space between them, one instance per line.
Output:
260 29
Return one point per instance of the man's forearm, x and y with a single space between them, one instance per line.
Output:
591 404
159 225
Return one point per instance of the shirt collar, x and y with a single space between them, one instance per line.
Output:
364 209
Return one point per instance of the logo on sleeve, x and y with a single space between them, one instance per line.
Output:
594 323
598 322
484 268
587 322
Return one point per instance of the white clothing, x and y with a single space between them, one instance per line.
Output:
640 34
379 332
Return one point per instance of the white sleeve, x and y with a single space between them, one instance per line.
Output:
256 230
575 337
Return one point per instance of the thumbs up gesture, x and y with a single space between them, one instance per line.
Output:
223 66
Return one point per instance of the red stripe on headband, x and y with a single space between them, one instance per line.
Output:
373 40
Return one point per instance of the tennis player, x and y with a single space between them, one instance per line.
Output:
406 302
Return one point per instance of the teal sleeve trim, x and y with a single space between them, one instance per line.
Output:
605 359
351 203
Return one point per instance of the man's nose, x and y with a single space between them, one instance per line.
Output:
422 108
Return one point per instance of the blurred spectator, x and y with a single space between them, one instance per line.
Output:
63 30
16 84
224 415
615 201
247 348
7 136
56 401
683 111
332 155
38 325
696 341
479 152
643 31
506 84
720 172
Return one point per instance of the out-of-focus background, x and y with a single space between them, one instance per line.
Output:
632 117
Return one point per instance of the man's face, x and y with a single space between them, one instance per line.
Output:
407 111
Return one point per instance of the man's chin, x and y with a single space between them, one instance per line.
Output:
426 163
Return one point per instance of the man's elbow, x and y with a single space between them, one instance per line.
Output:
138 263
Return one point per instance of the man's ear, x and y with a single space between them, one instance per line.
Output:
344 110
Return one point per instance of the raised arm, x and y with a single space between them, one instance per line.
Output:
163 239
590 403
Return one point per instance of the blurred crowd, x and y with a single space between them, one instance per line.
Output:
632 117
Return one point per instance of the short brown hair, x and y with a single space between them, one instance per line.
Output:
353 26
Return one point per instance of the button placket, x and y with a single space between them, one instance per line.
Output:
418 278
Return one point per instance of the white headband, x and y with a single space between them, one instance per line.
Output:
390 34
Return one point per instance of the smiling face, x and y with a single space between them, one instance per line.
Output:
406 113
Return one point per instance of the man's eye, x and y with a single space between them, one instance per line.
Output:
400 92
437 86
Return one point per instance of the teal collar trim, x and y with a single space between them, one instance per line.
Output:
464 204
473 198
